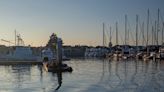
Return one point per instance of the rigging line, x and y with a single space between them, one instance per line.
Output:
121 39
131 34
107 32
161 17
148 18
128 37
142 33
162 27
107 37
112 32
105 41
123 42
151 22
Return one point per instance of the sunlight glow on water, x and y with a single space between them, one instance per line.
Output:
90 75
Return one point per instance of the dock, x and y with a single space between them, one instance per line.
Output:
20 63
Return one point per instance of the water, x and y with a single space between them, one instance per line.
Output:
90 75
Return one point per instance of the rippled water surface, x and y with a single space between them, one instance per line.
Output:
89 75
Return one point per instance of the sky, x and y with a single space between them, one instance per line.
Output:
77 22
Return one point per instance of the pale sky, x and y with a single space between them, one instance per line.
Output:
77 22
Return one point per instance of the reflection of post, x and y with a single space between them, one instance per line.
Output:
59 76
41 73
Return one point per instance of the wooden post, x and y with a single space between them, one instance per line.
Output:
59 51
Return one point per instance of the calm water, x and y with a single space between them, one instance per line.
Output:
88 76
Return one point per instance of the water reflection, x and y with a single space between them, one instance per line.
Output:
89 75
138 76
18 74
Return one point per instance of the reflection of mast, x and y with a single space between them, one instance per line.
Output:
109 66
116 70
135 73
154 72
109 69
126 71
103 70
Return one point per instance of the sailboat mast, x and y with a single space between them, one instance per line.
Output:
148 15
15 37
137 32
116 33
125 29
103 34
158 25
110 34
162 33
152 35
143 34
155 38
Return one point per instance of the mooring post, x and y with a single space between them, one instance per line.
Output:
59 51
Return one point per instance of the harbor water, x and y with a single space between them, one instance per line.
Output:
89 75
